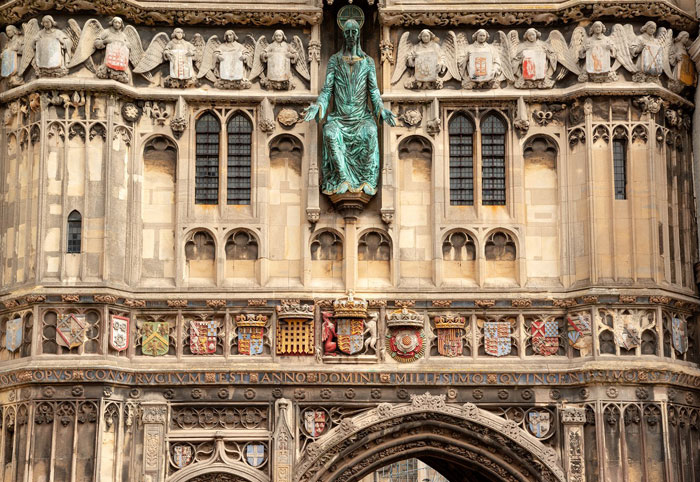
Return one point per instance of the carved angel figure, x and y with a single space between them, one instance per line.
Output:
121 44
683 74
480 62
224 64
12 44
51 48
432 64
651 50
178 52
533 61
278 56
598 50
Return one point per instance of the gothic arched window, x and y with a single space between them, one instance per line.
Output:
461 132
239 132
75 228
206 190
493 160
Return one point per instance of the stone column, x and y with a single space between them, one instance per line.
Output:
154 418
572 419
694 52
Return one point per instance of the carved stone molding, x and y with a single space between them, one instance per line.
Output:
477 14
468 419
152 13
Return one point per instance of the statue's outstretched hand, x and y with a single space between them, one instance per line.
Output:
388 117
312 111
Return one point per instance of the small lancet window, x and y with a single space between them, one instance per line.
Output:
239 132
461 132
206 185
493 161
75 228
620 168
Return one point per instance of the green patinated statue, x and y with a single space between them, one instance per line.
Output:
350 144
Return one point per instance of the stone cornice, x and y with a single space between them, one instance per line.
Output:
180 13
572 92
623 374
535 13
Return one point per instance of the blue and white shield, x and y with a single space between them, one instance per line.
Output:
538 422
679 329
9 63
13 334
250 340
497 340
255 454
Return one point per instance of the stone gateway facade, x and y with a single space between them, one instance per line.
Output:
515 300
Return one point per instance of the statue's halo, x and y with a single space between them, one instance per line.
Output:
350 12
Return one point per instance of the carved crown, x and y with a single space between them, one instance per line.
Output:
449 321
295 310
350 307
404 317
251 319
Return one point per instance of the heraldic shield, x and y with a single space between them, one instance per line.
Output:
679 334
545 337
71 330
182 455
349 332
538 422
579 332
203 337
450 333
155 340
251 332
255 454
315 422
13 334
119 332
497 338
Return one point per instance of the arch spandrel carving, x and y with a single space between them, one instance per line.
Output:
463 432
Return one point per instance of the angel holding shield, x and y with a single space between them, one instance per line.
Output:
180 53
536 60
433 64
482 63
224 63
11 52
53 48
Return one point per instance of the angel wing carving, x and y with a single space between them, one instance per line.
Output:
508 46
258 66
566 55
199 46
135 46
666 40
73 31
401 58
209 59
153 56
86 44
301 66
623 38
453 47
30 30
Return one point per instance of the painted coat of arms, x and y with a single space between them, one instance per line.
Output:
117 56
679 334
579 332
155 339
203 337
251 332
350 334
255 454
315 422
450 334
119 332
182 455
545 336
406 345
497 338
13 334
538 422
71 330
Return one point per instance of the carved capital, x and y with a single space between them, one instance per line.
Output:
573 415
